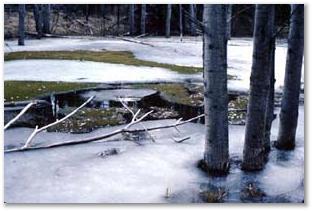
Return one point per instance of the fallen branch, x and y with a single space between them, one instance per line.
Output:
19 115
136 41
97 138
181 140
38 130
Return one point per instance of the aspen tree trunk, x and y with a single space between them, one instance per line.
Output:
254 151
46 18
229 21
181 21
270 99
168 20
38 19
216 155
290 100
192 20
131 18
143 18
21 24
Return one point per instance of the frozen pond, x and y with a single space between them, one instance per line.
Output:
170 51
143 173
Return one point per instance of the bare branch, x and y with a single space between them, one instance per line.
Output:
36 131
19 115
97 138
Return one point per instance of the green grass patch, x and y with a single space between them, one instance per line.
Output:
27 90
115 57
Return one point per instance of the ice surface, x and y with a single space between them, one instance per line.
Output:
171 51
142 173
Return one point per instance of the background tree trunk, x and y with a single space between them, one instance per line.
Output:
46 18
38 19
181 21
192 20
290 101
216 156
143 18
21 24
228 21
254 152
168 20
131 19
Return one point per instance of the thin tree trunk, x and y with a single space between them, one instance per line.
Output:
229 21
192 21
181 21
270 100
46 18
290 101
254 152
216 155
118 19
131 19
143 18
38 19
168 20
21 24
87 13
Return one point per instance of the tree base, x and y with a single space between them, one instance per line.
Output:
283 145
216 172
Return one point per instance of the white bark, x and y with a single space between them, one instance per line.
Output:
216 156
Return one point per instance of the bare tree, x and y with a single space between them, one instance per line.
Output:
168 20
46 18
216 155
38 19
181 21
290 100
131 18
254 151
270 99
21 24
143 18
229 21
192 20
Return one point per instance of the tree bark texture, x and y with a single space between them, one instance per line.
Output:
38 19
143 18
216 155
168 20
131 19
254 153
21 24
46 18
290 100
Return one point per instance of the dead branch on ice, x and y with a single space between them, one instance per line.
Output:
101 137
133 117
19 115
38 130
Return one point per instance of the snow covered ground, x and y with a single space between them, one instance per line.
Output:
171 51
142 173
87 71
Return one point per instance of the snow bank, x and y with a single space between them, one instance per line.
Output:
141 173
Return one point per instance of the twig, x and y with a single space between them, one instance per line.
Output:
19 115
36 131
181 140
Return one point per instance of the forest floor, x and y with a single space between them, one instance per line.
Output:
164 171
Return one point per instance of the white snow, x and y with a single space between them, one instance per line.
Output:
171 51
140 173
86 71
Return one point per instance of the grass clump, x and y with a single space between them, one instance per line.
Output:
114 57
27 90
